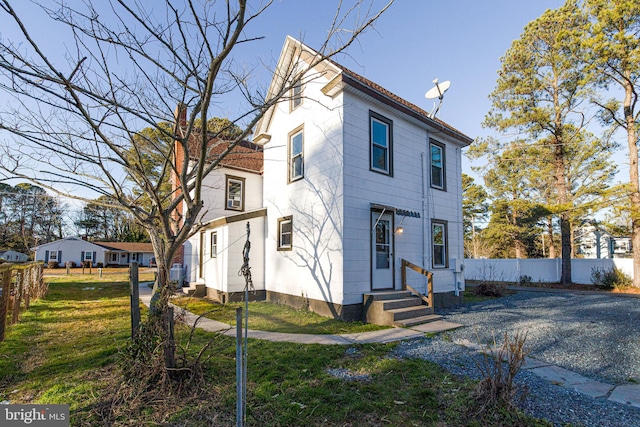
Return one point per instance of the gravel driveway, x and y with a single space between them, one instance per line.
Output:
593 334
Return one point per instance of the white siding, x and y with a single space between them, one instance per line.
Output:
313 268
403 190
221 272
331 207
214 196
71 249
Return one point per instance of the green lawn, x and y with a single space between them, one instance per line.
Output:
266 316
66 348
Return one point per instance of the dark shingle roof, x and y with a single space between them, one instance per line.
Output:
126 246
246 155
367 86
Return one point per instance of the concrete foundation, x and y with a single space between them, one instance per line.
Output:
348 313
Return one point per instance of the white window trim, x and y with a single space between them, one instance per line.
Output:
296 97
445 248
214 244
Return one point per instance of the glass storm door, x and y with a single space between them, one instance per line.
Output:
382 251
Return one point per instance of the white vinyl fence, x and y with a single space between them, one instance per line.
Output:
540 270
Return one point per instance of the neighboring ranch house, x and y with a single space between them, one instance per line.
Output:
13 256
73 249
354 180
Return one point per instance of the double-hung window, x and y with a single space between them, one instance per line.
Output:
438 177
439 243
235 193
214 244
381 144
285 233
53 256
296 96
296 155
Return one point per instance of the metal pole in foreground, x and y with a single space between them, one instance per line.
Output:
239 374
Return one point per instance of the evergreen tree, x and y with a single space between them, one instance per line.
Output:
612 47
540 94
474 208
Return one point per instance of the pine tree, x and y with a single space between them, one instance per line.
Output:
612 47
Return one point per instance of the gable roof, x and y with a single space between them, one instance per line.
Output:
126 246
113 246
341 78
245 155
57 242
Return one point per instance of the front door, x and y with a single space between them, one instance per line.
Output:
381 251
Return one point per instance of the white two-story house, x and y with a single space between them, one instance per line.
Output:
354 180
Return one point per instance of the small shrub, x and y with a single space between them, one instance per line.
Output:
498 368
524 280
71 264
100 265
53 264
490 289
87 264
610 279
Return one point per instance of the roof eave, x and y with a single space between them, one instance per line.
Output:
372 92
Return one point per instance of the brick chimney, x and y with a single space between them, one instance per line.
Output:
180 116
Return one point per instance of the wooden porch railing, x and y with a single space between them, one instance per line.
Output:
19 283
405 286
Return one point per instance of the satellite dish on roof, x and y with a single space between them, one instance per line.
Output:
437 92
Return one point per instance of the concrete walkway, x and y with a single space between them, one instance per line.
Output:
628 394
382 336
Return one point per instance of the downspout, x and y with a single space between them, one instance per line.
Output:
458 268
425 256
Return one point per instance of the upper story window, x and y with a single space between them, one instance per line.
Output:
439 243
285 233
296 96
235 193
381 143
437 159
296 155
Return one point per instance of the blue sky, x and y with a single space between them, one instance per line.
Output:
414 42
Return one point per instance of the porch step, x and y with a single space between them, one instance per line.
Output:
195 290
418 320
396 308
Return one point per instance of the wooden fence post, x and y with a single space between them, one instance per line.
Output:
42 286
134 292
5 287
17 296
27 286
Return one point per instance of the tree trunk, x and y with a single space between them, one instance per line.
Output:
552 243
160 310
563 198
634 195
565 236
